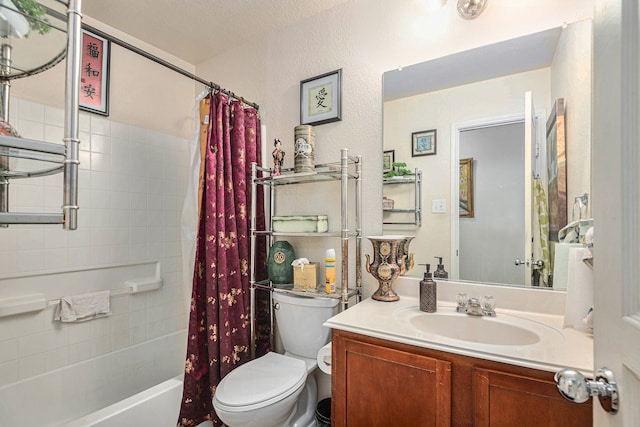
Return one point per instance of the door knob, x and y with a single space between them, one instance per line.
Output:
574 387
520 261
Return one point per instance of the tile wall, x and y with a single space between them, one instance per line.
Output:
131 190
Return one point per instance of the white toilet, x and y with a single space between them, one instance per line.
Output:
280 390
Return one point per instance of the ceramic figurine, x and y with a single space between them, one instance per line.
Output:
278 157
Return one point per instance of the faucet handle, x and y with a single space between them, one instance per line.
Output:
488 305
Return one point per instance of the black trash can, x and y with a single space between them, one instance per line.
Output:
323 413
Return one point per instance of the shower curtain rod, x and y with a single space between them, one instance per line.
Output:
151 57
168 65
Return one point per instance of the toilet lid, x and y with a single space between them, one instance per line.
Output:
261 381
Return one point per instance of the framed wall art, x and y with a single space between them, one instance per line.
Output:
557 169
94 74
387 160
321 99
423 143
465 207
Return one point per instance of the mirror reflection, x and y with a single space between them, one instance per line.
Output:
475 130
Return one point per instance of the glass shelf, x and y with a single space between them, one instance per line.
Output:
404 179
322 173
24 158
28 50
320 294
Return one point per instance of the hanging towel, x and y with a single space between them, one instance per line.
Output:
541 237
579 290
79 308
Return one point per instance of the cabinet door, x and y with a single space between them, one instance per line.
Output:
508 400
379 386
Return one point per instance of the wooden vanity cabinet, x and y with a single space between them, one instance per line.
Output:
377 382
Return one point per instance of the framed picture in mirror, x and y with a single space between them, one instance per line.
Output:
465 207
387 160
557 169
423 143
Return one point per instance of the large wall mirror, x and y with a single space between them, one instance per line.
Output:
483 167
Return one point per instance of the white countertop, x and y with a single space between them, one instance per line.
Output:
557 348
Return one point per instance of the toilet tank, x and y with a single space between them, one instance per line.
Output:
299 323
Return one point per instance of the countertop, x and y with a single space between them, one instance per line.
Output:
557 348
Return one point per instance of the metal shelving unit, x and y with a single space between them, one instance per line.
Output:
348 168
25 158
416 210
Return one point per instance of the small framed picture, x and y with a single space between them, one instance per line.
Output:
423 143
94 75
387 160
321 99
465 209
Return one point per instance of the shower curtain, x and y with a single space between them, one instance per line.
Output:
219 335
541 234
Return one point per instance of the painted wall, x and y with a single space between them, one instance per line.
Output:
365 38
571 80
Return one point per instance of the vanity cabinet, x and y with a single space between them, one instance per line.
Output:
376 382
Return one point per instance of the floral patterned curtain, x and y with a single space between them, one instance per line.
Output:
219 335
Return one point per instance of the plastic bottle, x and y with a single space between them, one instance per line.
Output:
330 271
428 292
440 271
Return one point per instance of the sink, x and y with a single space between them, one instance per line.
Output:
504 330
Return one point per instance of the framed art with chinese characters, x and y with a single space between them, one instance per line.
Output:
321 99
94 74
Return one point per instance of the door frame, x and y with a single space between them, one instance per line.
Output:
456 130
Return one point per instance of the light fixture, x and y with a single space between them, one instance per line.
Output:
425 7
471 9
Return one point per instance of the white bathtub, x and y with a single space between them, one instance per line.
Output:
137 386
157 406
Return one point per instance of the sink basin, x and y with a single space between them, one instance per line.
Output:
503 330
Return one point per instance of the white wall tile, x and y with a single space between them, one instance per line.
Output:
9 372
8 350
30 366
100 125
129 212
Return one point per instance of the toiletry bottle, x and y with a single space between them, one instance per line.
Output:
428 292
330 271
440 271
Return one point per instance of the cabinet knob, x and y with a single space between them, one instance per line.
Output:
574 387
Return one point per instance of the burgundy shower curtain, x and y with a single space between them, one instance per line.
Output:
219 335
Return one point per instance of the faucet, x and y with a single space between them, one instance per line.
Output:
474 307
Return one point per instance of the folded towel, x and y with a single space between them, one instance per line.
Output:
79 308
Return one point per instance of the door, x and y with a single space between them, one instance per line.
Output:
529 141
616 204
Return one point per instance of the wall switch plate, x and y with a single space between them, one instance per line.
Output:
439 206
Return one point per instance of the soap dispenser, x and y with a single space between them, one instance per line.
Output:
440 272
428 292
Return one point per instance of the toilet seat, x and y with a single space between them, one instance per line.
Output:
260 383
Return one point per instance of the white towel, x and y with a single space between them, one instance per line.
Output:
79 308
579 290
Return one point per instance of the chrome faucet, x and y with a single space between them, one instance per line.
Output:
474 307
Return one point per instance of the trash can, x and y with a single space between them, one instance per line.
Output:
323 413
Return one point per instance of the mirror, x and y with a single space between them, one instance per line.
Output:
474 96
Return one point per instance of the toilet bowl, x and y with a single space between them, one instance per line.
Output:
278 390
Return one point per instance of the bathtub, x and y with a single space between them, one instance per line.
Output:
137 386
157 406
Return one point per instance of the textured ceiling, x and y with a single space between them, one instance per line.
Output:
196 30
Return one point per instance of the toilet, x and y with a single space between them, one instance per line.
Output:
278 390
